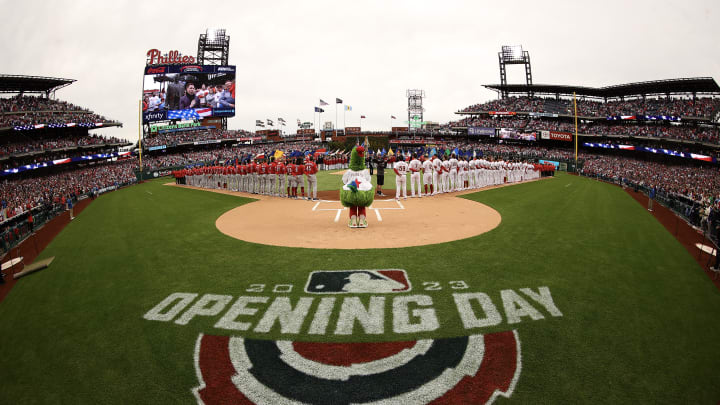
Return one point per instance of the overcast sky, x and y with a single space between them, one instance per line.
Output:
289 54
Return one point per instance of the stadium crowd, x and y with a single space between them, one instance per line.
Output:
685 107
175 138
684 132
17 196
39 145
697 183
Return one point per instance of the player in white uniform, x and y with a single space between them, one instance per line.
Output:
415 166
445 176
427 168
462 173
471 173
401 169
453 174
437 174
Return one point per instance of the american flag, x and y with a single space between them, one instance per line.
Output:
187 114
204 112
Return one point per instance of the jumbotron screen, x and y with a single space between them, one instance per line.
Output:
188 92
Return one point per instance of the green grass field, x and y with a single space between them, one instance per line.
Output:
640 320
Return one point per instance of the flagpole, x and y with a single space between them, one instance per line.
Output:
344 112
336 103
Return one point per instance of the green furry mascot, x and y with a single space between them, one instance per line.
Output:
357 191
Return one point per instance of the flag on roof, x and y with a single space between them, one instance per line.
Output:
322 103
319 110
362 116
338 101
348 108
393 117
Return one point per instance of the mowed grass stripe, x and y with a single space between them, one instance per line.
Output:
639 318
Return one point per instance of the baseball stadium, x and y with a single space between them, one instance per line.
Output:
556 243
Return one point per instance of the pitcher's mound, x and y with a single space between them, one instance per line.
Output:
324 224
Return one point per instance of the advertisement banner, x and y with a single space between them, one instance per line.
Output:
537 114
502 113
481 131
223 112
352 130
545 135
157 147
552 162
216 122
207 142
149 116
399 129
166 128
561 136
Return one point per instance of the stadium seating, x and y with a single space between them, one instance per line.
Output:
702 107
28 110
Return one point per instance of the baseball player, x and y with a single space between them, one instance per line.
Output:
262 176
454 186
298 169
311 170
401 169
471 172
280 170
437 174
415 166
427 169
291 182
272 171
445 175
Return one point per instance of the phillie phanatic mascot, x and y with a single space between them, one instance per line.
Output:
357 191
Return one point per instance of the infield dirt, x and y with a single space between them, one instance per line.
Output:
323 224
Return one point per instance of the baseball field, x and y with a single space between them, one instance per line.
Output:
578 295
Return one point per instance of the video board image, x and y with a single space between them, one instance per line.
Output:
514 134
187 92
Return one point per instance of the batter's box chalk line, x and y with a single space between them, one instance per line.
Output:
372 207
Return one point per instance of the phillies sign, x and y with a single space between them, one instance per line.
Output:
154 57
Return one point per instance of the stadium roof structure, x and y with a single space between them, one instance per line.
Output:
32 84
693 85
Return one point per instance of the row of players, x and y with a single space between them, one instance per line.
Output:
439 175
448 174
259 177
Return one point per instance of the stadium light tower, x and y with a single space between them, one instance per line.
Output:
514 55
415 109
213 47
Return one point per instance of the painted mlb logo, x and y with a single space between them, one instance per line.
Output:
473 369
357 281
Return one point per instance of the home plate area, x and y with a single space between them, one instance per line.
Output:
323 224
342 212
